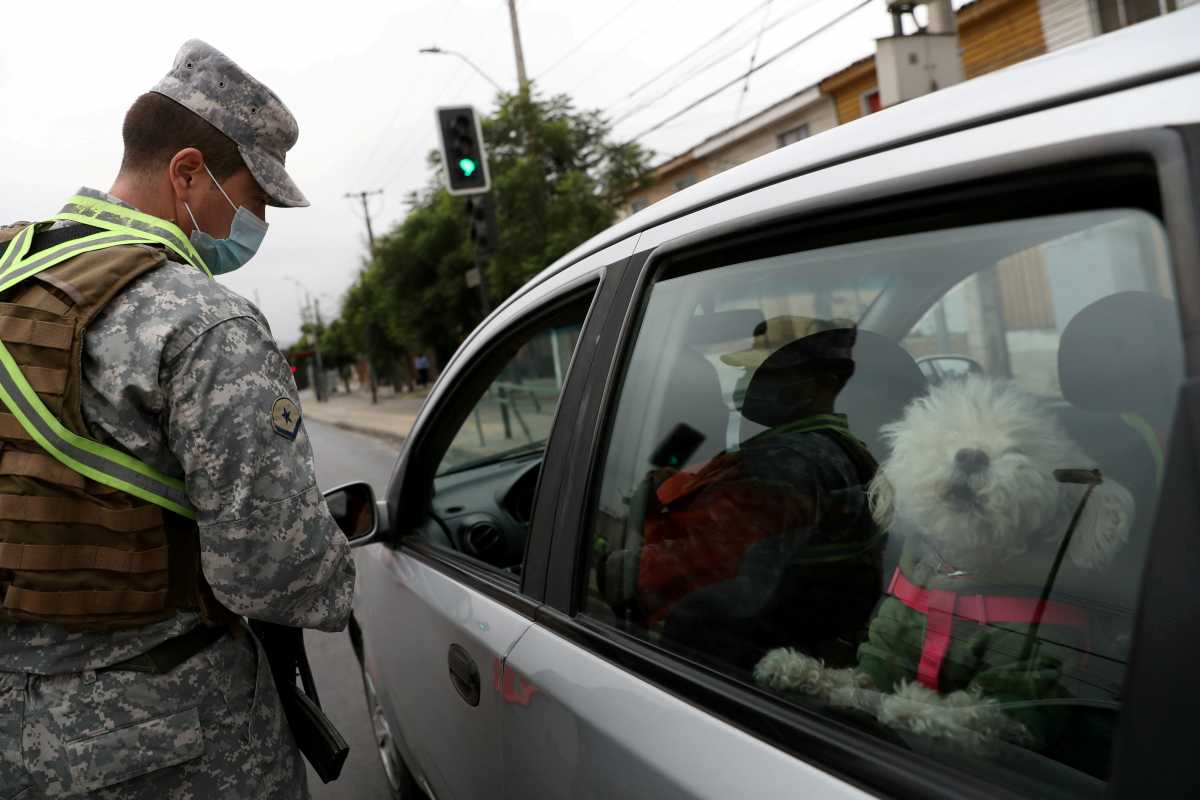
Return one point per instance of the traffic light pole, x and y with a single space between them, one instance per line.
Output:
369 333
483 300
483 238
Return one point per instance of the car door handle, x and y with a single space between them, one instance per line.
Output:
464 674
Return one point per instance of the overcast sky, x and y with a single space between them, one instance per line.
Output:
364 97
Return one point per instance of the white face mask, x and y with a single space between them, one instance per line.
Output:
245 235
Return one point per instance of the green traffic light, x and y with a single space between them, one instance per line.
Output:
467 166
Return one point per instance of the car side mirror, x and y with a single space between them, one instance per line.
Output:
354 509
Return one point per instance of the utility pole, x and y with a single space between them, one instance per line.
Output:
522 80
366 213
317 352
363 195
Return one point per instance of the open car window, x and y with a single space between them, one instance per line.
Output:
516 410
490 437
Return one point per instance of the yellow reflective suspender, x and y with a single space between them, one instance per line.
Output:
110 216
101 463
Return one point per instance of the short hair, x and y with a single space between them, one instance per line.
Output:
156 128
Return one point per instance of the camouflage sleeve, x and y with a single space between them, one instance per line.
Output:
269 547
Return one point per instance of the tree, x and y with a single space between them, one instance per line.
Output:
557 179
338 350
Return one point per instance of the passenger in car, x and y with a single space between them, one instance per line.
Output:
776 536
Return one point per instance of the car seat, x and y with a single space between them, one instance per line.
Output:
885 380
693 394
1120 363
692 399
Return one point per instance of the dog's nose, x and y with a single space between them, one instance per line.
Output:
971 460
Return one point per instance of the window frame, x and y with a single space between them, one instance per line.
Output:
412 483
802 129
933 200
1122 10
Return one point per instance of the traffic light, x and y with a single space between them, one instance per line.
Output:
483 230
462 150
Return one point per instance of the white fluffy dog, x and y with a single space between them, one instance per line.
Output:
972 476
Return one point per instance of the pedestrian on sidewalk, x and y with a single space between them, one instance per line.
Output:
422 364
153 462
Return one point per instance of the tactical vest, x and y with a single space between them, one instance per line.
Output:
90 538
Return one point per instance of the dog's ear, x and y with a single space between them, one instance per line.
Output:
882 499
1103 527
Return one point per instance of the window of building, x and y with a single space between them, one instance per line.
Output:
685 181
792 135
638 204
1116 14
812 450
869 102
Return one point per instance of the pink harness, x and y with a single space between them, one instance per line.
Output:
940 607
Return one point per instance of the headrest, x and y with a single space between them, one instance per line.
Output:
886 379
1123 353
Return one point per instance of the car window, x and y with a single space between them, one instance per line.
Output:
907 483
516 410
493 433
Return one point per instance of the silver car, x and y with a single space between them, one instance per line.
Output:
635 507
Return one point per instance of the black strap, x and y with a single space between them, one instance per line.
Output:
170 654
44 240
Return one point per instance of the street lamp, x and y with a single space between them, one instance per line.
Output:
437 51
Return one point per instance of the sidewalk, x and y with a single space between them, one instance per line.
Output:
390 419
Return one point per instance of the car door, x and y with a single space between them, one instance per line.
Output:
646 673
442 599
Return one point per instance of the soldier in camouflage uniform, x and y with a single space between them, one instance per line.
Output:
184 375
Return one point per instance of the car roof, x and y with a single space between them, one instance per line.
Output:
1142 53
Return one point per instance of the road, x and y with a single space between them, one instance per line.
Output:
343 456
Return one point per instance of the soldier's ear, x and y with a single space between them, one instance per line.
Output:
184 169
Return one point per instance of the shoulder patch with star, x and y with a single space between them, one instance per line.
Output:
285 418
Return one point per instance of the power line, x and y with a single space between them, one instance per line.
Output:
708 43
587 39
753 57
700 70
408 129
414 142
857 7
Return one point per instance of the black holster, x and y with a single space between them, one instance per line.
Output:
316 736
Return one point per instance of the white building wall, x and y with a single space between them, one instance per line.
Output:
818 116
1066 22
823 116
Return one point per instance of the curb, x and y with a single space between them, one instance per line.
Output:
365 430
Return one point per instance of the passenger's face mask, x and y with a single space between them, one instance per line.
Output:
245 235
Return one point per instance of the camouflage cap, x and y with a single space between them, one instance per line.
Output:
206 82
